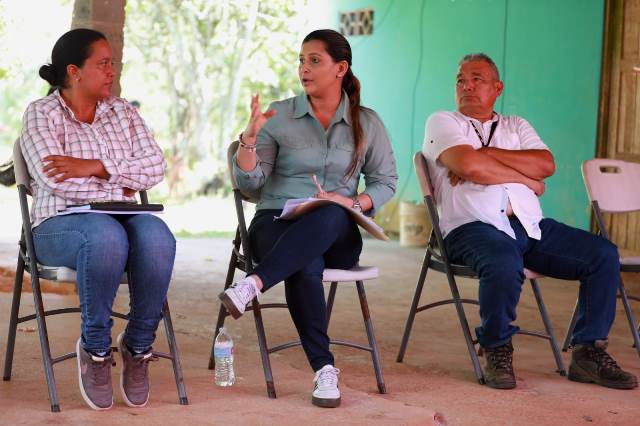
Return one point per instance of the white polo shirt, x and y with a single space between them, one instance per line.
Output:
470 202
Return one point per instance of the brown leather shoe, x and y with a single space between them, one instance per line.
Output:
498 370
592 364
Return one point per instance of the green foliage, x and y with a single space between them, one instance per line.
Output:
194 64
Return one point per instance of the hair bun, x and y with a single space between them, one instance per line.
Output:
48 73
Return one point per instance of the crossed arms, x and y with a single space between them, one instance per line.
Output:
489 166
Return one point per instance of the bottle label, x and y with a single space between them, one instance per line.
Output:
222 351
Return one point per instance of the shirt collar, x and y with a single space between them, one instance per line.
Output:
102 106
494 117
302 107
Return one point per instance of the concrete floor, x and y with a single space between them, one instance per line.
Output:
435 384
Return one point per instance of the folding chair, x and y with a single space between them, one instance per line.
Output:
436 258
27 263
241 259
612 186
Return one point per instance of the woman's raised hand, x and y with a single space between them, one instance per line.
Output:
257 120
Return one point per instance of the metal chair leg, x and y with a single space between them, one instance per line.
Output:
572 326
264 351
44 341
330 299
13 319
547 326
414 306
466 331
175 358
630 317
375 355
222 313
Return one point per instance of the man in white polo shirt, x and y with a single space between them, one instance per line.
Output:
488 171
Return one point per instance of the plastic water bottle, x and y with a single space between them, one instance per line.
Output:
223 353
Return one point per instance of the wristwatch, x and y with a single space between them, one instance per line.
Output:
356 204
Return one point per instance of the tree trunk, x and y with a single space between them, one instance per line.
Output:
106 16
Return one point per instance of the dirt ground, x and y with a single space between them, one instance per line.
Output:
434 385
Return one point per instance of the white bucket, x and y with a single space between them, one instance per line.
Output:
414 225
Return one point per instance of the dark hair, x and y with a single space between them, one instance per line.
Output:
480 57
74 47
339 49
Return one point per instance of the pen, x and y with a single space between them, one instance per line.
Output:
315 180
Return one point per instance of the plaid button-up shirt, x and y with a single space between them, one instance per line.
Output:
118 137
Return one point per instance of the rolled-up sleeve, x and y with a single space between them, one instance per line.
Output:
379 169
145 167
266 152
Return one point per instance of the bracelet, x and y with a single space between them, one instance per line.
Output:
356 204
248 147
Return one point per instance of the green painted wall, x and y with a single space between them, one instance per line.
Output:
548 53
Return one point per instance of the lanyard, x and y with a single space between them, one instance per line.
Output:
494 125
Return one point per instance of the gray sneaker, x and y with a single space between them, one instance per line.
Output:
94 376
134 376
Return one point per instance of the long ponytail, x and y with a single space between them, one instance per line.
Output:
351 85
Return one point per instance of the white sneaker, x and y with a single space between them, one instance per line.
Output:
236 297
326 393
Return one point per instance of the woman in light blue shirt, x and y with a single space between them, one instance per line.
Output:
323 132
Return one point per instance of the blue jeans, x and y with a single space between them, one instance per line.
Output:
297 252
100 248
562 252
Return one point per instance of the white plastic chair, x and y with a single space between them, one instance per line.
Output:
612 187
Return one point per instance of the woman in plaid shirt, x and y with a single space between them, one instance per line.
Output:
81 145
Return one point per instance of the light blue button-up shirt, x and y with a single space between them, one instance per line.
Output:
293 146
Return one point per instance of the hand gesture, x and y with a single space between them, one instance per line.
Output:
257 120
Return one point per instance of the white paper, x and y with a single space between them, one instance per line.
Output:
297 207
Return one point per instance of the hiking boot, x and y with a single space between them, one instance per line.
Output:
134 376
94 377
326 393
236 297
592 364
498 370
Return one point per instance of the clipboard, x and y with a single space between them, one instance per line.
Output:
113 207
297 207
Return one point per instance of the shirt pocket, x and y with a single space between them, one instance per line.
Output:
294 142
345 144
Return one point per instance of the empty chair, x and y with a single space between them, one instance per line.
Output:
612 186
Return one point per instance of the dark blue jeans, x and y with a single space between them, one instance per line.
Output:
297 252
99 247
562 252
